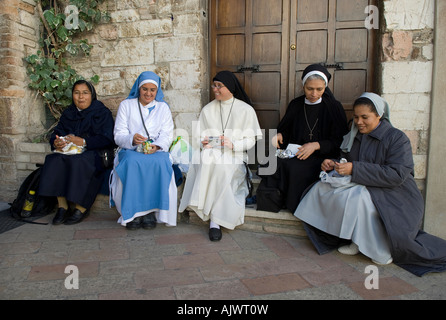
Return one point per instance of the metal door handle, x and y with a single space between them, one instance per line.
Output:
293 47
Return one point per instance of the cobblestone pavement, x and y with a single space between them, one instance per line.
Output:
180 263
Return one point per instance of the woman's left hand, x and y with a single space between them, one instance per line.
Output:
74 139
226 142
344 169
307 150
154 148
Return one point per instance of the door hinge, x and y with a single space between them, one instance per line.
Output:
337 66
254 68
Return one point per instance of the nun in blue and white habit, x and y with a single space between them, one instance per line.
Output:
142 185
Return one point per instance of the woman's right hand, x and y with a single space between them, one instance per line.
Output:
138 139
277 140
59 143
205 143
327 165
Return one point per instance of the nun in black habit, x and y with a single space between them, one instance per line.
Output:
77 178
317 122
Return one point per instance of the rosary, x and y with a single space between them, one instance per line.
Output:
309 128
223 128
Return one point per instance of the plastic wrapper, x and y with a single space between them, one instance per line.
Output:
70 149
145 147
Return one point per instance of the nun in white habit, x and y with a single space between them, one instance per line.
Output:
216 185
142 184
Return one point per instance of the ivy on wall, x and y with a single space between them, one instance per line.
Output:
63 23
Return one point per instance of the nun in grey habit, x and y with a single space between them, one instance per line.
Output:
371 204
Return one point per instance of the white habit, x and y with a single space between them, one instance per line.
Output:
216 185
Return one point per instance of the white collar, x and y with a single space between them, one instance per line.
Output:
313 103
150 105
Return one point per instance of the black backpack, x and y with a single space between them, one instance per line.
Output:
269 198
42 205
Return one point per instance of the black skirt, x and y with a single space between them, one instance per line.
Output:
292 177
75 177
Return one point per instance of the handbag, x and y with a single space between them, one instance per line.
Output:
107 157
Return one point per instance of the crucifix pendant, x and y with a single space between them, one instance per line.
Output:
311 136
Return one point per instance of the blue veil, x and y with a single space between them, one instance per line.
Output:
147 75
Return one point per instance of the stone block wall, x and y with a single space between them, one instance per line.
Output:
21 113
406 66
165 36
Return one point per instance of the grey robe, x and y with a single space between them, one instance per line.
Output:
383 162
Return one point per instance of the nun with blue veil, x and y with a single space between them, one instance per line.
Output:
142 184
370 203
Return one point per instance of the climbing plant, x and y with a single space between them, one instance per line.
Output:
63 23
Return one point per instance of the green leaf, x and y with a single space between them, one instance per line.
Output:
68 93
49 17
95 79
62 33
55 83
49 96
72 49
34 77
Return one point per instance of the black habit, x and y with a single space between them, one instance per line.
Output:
79 177
293 176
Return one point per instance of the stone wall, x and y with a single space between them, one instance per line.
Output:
165 36
407 61
21 114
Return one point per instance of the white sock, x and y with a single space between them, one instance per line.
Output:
214 225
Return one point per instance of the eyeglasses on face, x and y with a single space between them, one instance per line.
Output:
85 93
217 86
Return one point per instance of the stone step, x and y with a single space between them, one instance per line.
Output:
283 222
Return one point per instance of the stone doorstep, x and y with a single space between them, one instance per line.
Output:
283 222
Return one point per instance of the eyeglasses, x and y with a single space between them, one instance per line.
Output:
85 93
213 86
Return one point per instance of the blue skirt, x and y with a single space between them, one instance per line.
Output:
145 181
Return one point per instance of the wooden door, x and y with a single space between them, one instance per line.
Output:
268 43
333 33
247 38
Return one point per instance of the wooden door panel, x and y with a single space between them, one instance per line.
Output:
268 120
351 45
267 13
349 85
229 13
351 10
273 42
311 11
231 50
265 97
311 46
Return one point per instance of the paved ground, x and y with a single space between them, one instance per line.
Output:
180 263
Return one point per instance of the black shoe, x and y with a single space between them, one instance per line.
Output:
134 224
149 221
76 217
215 234
61 216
